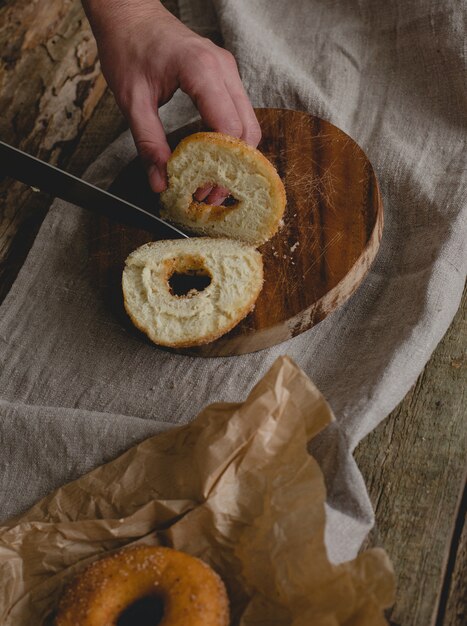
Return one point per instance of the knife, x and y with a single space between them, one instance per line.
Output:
41 175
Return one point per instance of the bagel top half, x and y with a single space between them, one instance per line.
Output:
210 158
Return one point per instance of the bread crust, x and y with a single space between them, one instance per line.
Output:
199 342
221 139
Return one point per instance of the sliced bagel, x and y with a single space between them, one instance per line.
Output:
217 159
191 291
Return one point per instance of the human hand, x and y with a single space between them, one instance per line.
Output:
146 54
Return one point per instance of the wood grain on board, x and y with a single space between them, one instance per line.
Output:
330 235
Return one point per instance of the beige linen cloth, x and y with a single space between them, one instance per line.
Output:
253 510
76 389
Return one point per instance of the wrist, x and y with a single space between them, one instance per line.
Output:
105 14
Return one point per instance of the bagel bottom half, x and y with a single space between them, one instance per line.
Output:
189 592
189 292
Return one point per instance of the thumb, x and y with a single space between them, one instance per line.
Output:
151 143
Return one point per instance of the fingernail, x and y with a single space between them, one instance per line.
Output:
202 193
156 178
217 196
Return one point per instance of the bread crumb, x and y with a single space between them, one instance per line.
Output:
295 246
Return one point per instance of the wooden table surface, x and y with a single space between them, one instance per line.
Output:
54 104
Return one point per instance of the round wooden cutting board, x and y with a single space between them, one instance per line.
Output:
332 228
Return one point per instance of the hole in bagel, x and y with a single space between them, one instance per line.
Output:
147 611
185 284
230 201
187 276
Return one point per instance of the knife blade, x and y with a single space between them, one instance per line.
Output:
41 175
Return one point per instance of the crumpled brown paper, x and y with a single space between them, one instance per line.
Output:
237 488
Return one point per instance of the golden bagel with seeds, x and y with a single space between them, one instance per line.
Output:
189 591
222 279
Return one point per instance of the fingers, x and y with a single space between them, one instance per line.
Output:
217 91
251 130
215 105
211 195
223 104
150 140
202 192
217 196
224 107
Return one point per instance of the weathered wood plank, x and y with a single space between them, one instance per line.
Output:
22 213
50 84
50 89
413 465
453 611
